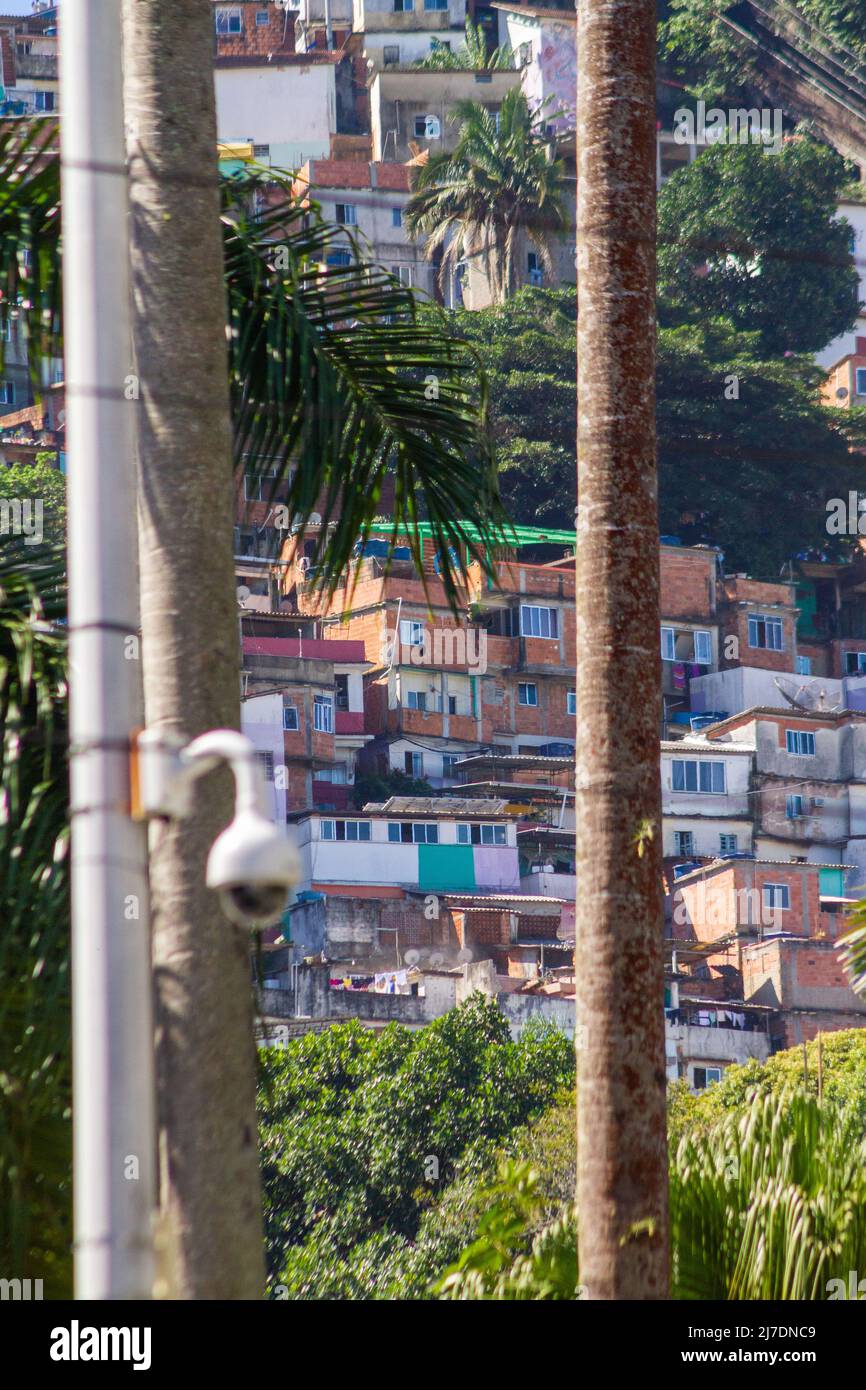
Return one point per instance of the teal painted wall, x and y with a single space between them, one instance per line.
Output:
832 883
445 867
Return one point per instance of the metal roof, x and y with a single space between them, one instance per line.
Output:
475 900
436 806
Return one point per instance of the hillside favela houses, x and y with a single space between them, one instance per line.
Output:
422 758
421 755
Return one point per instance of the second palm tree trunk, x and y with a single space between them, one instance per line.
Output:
209 1173
622 1177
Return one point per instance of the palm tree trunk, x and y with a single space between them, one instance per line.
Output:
622 1181
209 1178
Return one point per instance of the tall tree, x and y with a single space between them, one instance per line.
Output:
209 1179
502 182
621 1181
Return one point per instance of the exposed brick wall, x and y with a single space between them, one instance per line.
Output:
687 584
256 40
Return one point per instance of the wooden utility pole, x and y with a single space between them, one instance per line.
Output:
622 1151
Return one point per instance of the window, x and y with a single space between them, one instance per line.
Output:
669 644
5 330
290 719
533 268
228 22
345 829
7 392
794 807
427 127
727 844
347 214
259 485
860 384
338 258
684 842
765 632
396 217
436 4
262 151
803 665
527 694
409 832
694 776
481 835
390 54
262 18
776 896
416 699
413 764
323 714
571 702
403 6
411 633
44 101
855 663
267 762
403 273
449 760
538 622
803 744
341 692
703 648
706 1076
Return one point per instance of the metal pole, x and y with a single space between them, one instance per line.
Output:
113 1089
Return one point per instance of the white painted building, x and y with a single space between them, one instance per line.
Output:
286 109
706 807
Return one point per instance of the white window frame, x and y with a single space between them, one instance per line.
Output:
531 617
228 13
860 381
705 770
262 19
703 643
772 624
681 848
800 743
769 893
361 828
397 217
417 699
290 714
266 758
7 392
417 763
571 702
431 128
859 668
727 844
527 686
411 633
482 833
323 714
346 214
668 644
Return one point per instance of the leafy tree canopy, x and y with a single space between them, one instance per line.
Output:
754 237
39 482
747 455
360 1131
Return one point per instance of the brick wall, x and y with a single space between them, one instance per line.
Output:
687 580
256 40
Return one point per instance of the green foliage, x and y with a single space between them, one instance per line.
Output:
747 454
473 56
39 482
35 1130
361 1131
770 1203
754 238
373 786
841 20
500 183
491 1267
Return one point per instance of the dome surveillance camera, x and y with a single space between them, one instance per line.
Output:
253 868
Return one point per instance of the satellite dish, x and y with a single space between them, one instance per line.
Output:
314 519
807 695
242 593
841 393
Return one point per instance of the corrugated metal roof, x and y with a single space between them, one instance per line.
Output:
477 899
436 806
